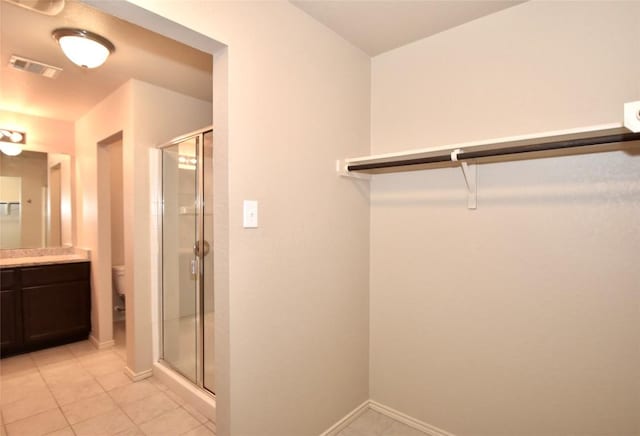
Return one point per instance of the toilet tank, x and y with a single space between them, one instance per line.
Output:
117 277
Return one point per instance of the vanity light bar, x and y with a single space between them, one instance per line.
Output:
13 136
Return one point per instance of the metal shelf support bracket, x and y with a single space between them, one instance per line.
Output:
470 173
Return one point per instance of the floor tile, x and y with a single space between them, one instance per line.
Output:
146 409
349 432
114 380
371 423
131 432
211 426
28 406
88 408
195 413
79 390
37 425
120 333
17 365
63 373
200 431
51 356
107 424
157 383
97 356
22 386
64 432
121 352
175 397
133 392
400 429
71 392
82 348
102 364
173 423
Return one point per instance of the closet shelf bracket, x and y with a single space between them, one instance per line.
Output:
470 173
343 170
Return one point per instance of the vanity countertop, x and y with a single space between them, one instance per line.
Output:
42 260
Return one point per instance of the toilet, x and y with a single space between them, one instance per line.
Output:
117 276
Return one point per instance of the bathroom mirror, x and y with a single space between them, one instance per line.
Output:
35 200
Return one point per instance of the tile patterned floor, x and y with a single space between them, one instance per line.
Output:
78 390
372 423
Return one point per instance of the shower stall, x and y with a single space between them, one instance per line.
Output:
187 312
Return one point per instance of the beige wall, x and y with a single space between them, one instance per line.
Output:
117 217
520 317
108 118
43 134
297 296
145 116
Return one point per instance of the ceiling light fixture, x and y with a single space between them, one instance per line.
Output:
83 48
11 140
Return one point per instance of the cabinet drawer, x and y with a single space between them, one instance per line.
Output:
7 279
41 275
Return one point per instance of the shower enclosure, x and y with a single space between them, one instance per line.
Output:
187 306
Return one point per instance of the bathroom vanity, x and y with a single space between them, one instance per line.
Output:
44 302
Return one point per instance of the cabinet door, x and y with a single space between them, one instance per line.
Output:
52 312
10 332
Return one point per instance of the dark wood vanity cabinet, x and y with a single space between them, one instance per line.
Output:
44 305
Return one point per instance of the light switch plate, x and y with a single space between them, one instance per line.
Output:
250 214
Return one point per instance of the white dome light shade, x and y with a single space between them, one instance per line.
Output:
10 149
83 48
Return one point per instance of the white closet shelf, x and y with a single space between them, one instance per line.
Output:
555 140
469 152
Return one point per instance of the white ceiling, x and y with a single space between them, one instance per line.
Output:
379 26
139 54
374 26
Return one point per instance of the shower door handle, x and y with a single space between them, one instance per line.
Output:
194 266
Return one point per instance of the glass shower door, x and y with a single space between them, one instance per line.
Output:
180 265
208 306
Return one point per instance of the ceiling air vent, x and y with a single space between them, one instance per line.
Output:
35 67
47 7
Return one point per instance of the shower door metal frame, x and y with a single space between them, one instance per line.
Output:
199 254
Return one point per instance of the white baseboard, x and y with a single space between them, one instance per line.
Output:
408 420
348 419
137 376
101 345
427 429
